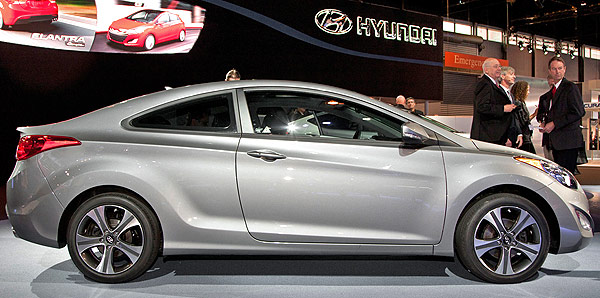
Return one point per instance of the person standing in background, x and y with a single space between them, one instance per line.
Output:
400 102
411 106
507 79
563 118
491 107
520 91
233 75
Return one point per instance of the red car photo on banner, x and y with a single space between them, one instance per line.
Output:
15 12
146 28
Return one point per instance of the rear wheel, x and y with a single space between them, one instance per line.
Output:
113 238
150 42
503 238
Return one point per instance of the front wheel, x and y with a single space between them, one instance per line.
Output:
182 35
113 238
503 238
150 42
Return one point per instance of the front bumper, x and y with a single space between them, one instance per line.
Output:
564 202
33 210
131 40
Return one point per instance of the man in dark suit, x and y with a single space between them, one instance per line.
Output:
563 118
541 114
492 108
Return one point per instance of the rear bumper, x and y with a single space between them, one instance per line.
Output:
33 210
16 14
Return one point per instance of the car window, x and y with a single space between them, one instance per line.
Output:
164 18
173 17
310 115
212 113
144 16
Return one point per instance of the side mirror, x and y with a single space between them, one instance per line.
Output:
414 135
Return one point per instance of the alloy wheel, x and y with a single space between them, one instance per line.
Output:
507 240
109 239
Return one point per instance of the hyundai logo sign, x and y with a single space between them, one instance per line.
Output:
333 21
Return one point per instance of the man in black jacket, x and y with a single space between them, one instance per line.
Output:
563 118
492 108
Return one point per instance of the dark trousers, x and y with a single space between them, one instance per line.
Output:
566 158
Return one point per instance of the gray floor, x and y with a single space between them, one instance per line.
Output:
30 270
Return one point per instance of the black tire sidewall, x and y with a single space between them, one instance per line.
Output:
149 225
465 232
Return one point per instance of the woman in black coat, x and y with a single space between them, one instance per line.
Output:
520 91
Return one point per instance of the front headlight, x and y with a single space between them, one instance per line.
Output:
557 172
137 30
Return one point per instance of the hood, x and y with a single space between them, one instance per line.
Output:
128 24
498 149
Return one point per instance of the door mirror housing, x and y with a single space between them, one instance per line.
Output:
414 135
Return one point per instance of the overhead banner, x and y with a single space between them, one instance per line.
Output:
115 26
376 50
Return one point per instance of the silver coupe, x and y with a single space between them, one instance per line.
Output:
285 168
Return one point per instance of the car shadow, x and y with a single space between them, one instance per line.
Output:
191 275
278 270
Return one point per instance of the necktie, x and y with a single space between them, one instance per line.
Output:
553 90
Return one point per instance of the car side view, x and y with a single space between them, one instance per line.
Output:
146 28
15 12
285 168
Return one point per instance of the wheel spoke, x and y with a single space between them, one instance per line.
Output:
524 221
105 265
530 250
84 243
494 218
97 215
126 223
504 264
132 251
483 246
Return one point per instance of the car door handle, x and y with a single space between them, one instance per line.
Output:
266 155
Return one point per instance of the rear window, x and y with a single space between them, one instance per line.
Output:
212 113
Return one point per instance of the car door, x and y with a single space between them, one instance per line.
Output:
163 28
321 168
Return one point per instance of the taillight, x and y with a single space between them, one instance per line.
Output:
32 145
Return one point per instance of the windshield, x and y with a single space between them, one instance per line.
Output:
439 124
144 16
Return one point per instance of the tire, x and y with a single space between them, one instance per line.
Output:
182 35
503 238
113 238
150 42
